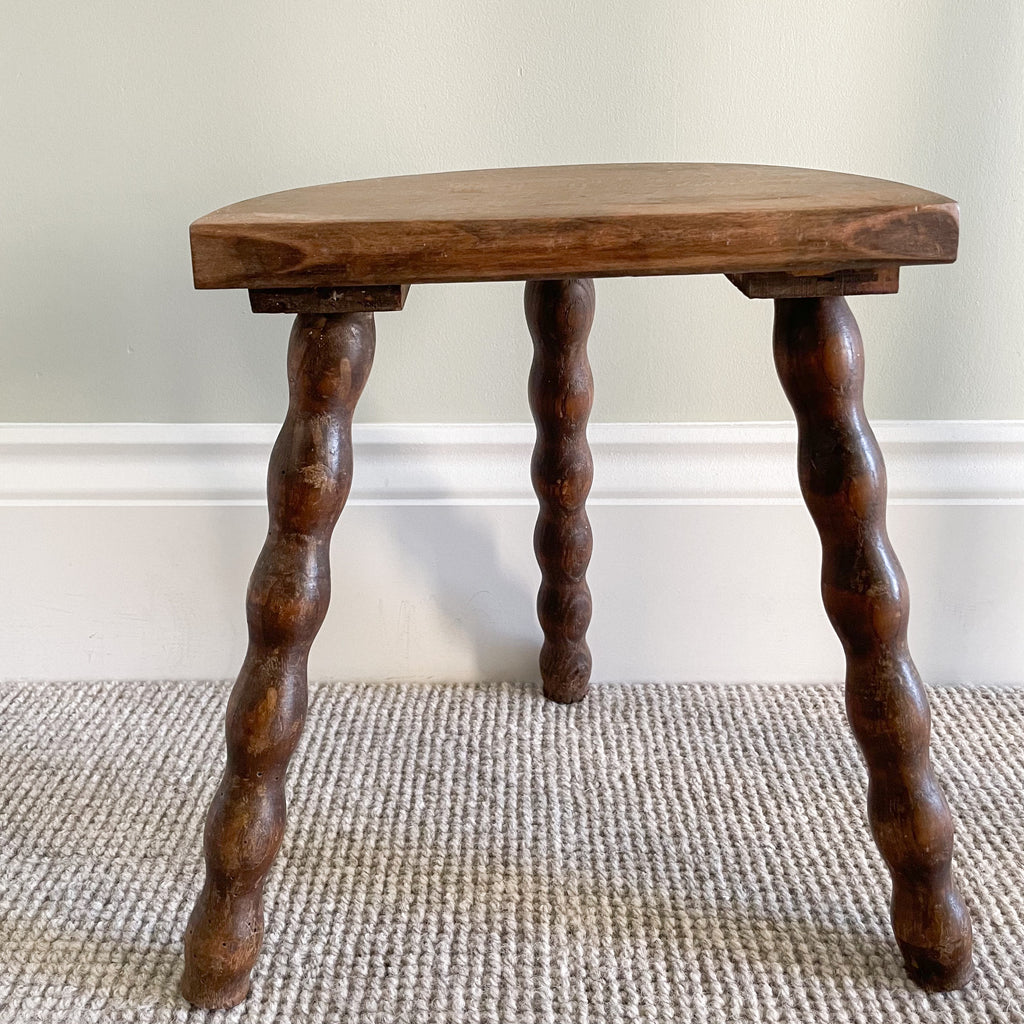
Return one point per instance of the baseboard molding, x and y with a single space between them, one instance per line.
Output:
126 548
929 461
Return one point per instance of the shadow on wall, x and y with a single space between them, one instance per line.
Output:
429 590
473 607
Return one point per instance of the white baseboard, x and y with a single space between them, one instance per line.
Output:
929 461
125 549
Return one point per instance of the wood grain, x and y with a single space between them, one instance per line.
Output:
577 221
820 361
310 473
559 315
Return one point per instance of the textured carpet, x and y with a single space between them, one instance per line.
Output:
461 853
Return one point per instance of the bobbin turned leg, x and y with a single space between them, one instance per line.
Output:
329 358
820 360
559 314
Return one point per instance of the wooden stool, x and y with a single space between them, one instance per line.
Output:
336 254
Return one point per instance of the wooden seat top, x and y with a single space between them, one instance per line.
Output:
599 220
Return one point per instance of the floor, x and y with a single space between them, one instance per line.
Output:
472 853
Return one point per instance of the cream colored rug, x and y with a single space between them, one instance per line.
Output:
473 853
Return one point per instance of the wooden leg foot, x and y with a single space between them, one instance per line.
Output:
559 314
329 359
820 361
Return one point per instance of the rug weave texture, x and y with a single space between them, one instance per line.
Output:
474 853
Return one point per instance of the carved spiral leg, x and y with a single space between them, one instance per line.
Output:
820 362
559 314
329 359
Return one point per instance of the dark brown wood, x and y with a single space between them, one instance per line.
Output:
563 222
780 285
369 299
329 359
559 314
820 361
334 253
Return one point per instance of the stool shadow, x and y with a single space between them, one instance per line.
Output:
457 552
77 961
80 964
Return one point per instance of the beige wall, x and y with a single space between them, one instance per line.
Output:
121 121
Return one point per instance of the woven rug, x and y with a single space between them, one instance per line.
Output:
472 853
